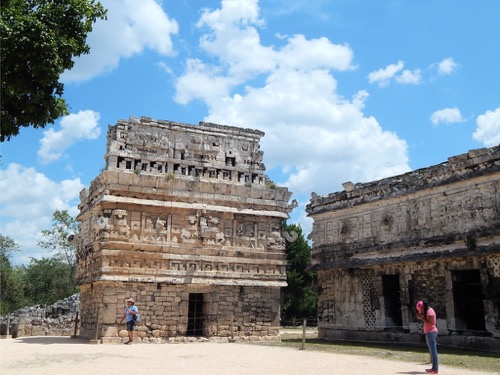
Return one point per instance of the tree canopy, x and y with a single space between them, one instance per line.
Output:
299 296
57 239
43 281
39 39
11 293
47 280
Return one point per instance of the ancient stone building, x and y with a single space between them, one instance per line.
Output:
431 234
183 220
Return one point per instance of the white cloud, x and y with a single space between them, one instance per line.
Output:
383 76
28 200
232 37
320 53
447 116
74 127
131 26
201 81
410 77
447 66
488 128
395 72
313 133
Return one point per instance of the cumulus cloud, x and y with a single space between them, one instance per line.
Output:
397 73
447 116
28 200
231 35
313 135
410 77
74 128
447 66
203 82
383 76
320 53
488 128
131 26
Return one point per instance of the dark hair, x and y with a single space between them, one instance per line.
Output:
426 307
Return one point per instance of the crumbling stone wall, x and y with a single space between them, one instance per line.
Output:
180 210
429 229
58 319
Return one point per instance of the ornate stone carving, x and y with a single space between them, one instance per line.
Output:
189 207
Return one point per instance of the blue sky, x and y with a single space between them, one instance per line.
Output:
345 90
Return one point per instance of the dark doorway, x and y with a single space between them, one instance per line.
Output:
468 298
195 315
392 302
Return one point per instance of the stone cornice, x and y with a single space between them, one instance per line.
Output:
193 206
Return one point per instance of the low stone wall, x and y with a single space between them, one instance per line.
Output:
43 320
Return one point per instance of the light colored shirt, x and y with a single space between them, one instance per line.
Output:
128 314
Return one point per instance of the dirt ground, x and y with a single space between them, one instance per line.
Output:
64 355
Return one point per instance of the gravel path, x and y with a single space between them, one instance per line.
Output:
63 355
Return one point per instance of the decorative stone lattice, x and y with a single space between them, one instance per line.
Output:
494 265
368 293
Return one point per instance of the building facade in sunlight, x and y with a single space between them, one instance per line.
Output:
184 221
432 234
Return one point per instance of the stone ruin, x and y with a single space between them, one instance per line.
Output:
184 220
58 319
431 234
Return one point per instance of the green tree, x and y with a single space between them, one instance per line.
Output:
46 281
39 40
57 239
11 287
299 296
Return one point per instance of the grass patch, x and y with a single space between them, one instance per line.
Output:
471 360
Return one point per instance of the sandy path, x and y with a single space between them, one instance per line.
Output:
63 355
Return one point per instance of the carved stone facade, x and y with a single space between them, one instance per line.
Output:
183 220
431 234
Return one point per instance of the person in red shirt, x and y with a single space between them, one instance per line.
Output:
428 316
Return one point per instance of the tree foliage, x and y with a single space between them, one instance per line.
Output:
57 240
39 39
7 247
43 281
300 296
11 285
47 281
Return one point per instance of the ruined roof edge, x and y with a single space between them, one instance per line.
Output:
456 168
203 125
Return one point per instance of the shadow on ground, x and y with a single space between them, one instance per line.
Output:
50 340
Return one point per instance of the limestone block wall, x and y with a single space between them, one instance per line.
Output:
241 313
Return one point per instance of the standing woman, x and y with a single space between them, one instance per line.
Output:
131 311
428 316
